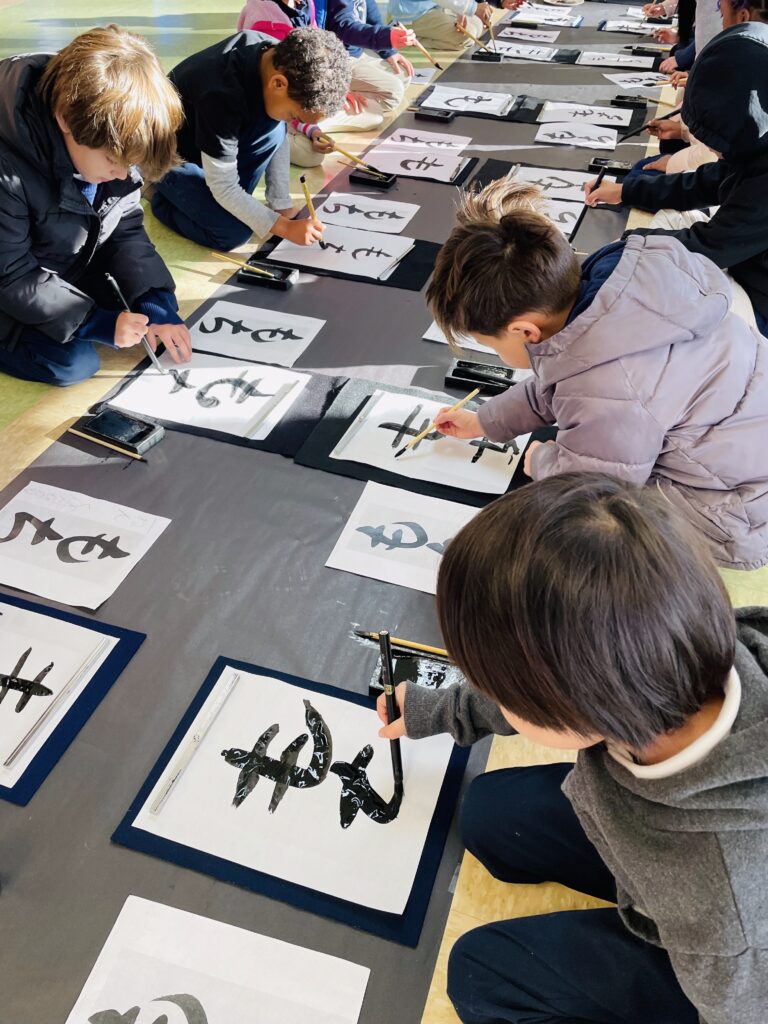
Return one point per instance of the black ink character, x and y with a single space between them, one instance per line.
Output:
336 248
563 136
190 1006
563 217
586 112
351 209
406 429
28 688
378 536
552 183
477 99
357 793
44 531
240 389
423 163
370 251
484 445
254 764
261 334
435 143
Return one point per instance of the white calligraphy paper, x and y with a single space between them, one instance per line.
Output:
532 14
301 840
347 251
519 51
415 162
584 113
598 59
433 333
648 80
366 213
245 332
398 537
162 964
631 25
70 547
215 394
60 658
570 133
557 184
389 421
469 101
530 35
426 140
564 214
423 76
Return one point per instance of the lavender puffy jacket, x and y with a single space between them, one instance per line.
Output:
657 382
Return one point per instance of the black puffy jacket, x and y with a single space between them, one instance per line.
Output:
49 233
726 108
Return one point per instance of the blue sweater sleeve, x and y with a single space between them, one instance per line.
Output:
99 327
160 306
351 21
685 56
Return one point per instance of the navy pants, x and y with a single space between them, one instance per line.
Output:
575 967
35 357
183 202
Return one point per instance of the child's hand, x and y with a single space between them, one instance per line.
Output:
666 129
512 5
666 35
484 12
678 79
176 339
300 232
609 193
355 103
397 729
462 423
397 62
529 456
668 66
658 165
461 23
320 143
130 328
400 37
654 11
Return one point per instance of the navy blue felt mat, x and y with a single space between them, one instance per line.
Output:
403 928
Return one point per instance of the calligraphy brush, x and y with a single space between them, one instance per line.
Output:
474 39
393 712
493 37
106 444
644 127
245 266
310 205
355 159
420 47
144 341
408 645
431 427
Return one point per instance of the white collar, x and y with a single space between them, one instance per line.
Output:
696 751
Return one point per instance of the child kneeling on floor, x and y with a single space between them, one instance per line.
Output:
238 95
586 614
636 356
73 127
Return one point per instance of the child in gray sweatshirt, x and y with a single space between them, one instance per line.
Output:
585 614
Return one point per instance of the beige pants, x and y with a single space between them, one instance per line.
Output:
383 89
437 30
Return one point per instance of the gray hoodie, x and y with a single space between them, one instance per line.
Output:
657 382
690 849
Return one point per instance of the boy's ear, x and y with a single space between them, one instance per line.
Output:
62 123
530 331
278 82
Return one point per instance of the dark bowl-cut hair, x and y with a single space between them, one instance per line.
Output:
583 603
317 67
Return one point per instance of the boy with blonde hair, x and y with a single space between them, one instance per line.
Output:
73 128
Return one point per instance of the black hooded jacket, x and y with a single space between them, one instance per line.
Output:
726 108
49 233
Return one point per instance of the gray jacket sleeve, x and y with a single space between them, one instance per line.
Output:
462 712
725 989
519 410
